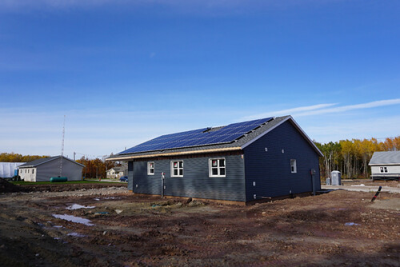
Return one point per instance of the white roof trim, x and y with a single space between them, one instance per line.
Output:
384 164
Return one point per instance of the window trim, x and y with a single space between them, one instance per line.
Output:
293 165
151 168
178 168
210 168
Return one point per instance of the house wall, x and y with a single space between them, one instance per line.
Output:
392 170
50 169
28 174
271 170
195 182
113 174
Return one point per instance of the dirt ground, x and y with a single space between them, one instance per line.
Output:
118 228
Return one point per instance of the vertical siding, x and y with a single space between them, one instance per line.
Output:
52 169
195 181
270 170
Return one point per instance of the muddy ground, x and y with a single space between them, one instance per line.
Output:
337 228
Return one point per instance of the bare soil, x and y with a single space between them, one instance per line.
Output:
338 228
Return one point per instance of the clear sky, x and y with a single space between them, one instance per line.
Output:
123 72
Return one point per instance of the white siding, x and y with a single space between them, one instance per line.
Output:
390 169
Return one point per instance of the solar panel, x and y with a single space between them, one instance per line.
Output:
199 137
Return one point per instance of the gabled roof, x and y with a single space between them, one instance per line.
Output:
385 158
116 169
261 127
35 163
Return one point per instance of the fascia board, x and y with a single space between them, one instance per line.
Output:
384 164
183 153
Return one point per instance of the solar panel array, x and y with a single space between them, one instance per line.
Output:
200 137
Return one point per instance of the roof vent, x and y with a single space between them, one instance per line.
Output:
212 129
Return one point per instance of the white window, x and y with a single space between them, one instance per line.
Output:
177 168
217 167
384 169
150 168
293 167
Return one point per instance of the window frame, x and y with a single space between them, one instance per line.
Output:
218 167
151 167
293 165
178 168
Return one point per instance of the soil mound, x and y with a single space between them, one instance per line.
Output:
6 187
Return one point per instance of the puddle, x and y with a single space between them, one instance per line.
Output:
112 198
77 207
74 219
58 226
76 234
351 224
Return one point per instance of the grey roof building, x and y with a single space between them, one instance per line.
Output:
45 168
385 165
240 162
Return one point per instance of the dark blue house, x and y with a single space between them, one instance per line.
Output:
241 162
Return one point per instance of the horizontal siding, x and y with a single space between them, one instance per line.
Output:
270 170
195 181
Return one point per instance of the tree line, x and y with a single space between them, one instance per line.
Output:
13 157
351 157
95 168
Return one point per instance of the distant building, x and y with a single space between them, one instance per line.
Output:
43 169
385 165
240 162
9 169
115 172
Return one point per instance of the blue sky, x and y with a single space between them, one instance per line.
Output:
123 72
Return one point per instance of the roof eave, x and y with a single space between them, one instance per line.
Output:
383 164
170 154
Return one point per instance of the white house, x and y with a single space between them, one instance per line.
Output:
385 165
45 168
115 172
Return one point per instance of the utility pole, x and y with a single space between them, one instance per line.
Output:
62 147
